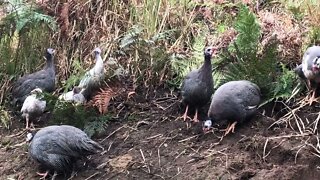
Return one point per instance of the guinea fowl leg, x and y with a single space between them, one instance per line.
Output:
32 126
54 176
195 118
312 96
27 121
185 114
230 128
44 175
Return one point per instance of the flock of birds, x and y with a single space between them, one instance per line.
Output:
57 148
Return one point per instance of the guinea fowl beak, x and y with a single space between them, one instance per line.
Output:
206 130
315 68
214 51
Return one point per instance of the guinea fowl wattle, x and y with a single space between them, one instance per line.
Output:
197 87
235 102
310 70
43 79
57 148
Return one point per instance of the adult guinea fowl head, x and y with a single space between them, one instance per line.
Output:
57 148
197 86
310 70
235 102
43 79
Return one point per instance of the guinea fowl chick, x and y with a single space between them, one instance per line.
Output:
33 107
311 70
57 148
73 96
93 77
197 87
234 101
43 79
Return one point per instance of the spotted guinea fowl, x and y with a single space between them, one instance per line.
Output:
73 96
93 77
33 107
57 148
43 79
310 70
234 101
197 87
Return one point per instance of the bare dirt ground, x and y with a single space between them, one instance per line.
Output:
151 143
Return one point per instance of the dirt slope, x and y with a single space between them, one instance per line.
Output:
156 145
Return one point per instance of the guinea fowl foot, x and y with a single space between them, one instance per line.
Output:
44 175
312 99
195 118
185 115
230 128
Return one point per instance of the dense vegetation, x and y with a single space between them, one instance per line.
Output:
154 44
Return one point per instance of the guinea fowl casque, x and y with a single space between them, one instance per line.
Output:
197 87
92 78
310 70
33 107
235 102
43 79
73 96
57 148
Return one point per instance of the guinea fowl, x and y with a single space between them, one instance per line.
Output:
73 96
43 79
92 78
234 101
33 107
58 148
197 87
310 70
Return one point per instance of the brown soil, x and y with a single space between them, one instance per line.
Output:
156 145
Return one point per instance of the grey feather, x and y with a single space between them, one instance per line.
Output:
58 147
43 79
234 101
197 87
308 61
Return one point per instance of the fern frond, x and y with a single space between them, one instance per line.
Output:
24 13
245 63
102 99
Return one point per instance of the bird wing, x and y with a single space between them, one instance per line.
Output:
74 142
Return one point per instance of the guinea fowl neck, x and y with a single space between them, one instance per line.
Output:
99 62
207 66
49 58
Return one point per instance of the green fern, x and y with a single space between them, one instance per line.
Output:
243 62
24 13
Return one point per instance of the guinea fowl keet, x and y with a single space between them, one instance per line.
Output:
310 70
33 107
43 79
235 102
73 96
57 148
92 78
197 87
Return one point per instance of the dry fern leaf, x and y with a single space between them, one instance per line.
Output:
102 100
